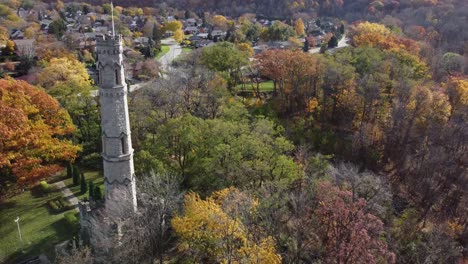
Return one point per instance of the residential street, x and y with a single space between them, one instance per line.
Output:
341 44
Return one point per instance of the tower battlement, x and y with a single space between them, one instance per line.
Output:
109 41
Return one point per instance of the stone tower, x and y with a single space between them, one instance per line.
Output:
117 151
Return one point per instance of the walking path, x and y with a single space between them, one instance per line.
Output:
67 194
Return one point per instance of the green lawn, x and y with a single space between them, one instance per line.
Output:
41 229
186 49
264 87
164 49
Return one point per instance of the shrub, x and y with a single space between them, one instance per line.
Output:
71 220
45 188
59 205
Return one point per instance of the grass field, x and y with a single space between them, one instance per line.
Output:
41 230
186 50
164 49
264 87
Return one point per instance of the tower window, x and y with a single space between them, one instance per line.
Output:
117 81
124 145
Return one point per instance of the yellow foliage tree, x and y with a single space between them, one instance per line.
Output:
31 30
299 27
172 26
212 230
4 35
247 48
179 35
220 22
64 71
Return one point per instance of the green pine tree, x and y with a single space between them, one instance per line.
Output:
69 170
333 42
97 193
76 176
83 187
91 190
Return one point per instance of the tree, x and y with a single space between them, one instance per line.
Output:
342 28
69 170
83 186
277 31
91 190
225 58
212 230
97 193
67 80
179 35
349 234
58 28
452 63
4 35
157 36
76 176
220 21
26 63
9 48
306 45
299 27
333 42
173 26
33 132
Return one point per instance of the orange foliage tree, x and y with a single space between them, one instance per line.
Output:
377 35
33 131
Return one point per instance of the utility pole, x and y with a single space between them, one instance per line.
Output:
19 232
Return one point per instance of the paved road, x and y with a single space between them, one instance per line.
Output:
71 198
174 51
341 44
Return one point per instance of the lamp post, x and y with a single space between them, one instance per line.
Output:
19 232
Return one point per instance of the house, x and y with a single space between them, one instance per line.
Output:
190 30
191 22
202 35
203 43
218 33
45 24
25 47
101 29
16 34
22 13
141 41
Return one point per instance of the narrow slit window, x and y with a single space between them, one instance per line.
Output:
124 147
117 77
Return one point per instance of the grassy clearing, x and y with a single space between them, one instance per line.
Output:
40 228
164 50
186 49
264 87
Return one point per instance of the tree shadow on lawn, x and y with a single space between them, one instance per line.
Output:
46 245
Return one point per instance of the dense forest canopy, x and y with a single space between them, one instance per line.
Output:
331 131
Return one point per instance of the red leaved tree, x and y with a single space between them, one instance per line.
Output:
33 130
349 234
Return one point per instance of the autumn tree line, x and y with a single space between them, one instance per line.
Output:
355 157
